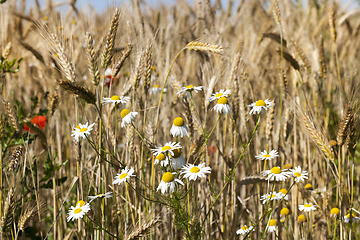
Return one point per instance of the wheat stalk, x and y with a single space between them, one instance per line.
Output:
120 62
54 102
12 115
7 217
92 66
107 54
345 124
15 158
143 229
199 46
78 90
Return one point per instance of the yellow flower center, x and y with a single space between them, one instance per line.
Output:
283 191
260 103
301 219
165 148
114 98
83 129
288 166
222 100
190 86
194 169
78 210
156 86
78 127
123 175
160 157
348 215
179 122
124 112
272 222
335 211
177 153
284 211
245 227
99 195
297 174
168 177
267 156
218 95
276 170
307 205
307 186
80 203
271 196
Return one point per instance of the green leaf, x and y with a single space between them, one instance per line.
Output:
49 184
35 102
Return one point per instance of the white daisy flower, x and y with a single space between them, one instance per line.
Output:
192 172
276 173
334 212
189 89
125 174
167 148
353 218
108 72
307 207
222 93
168 183
283 193
260 106
222 106
156 89
177 160
272 225
269 197
80 209
116 99
179 128
101 195
244 230
108 77
298 174
127 117
81 130
268 156
319 191
162 160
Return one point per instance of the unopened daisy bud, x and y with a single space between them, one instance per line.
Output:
334 212
179 128
285 211
301 219
127 117
308 186
222 106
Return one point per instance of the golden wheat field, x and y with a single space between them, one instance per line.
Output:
198 120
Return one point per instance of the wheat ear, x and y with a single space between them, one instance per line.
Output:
7 50
7 217
12 115
90 52
204 47
78 90
147 69
345 124
120 62
15 158
107 54
143 229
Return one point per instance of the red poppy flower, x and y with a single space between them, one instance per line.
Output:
37 120
108 80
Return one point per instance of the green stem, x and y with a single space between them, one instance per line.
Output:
101 228
234 169
207 139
